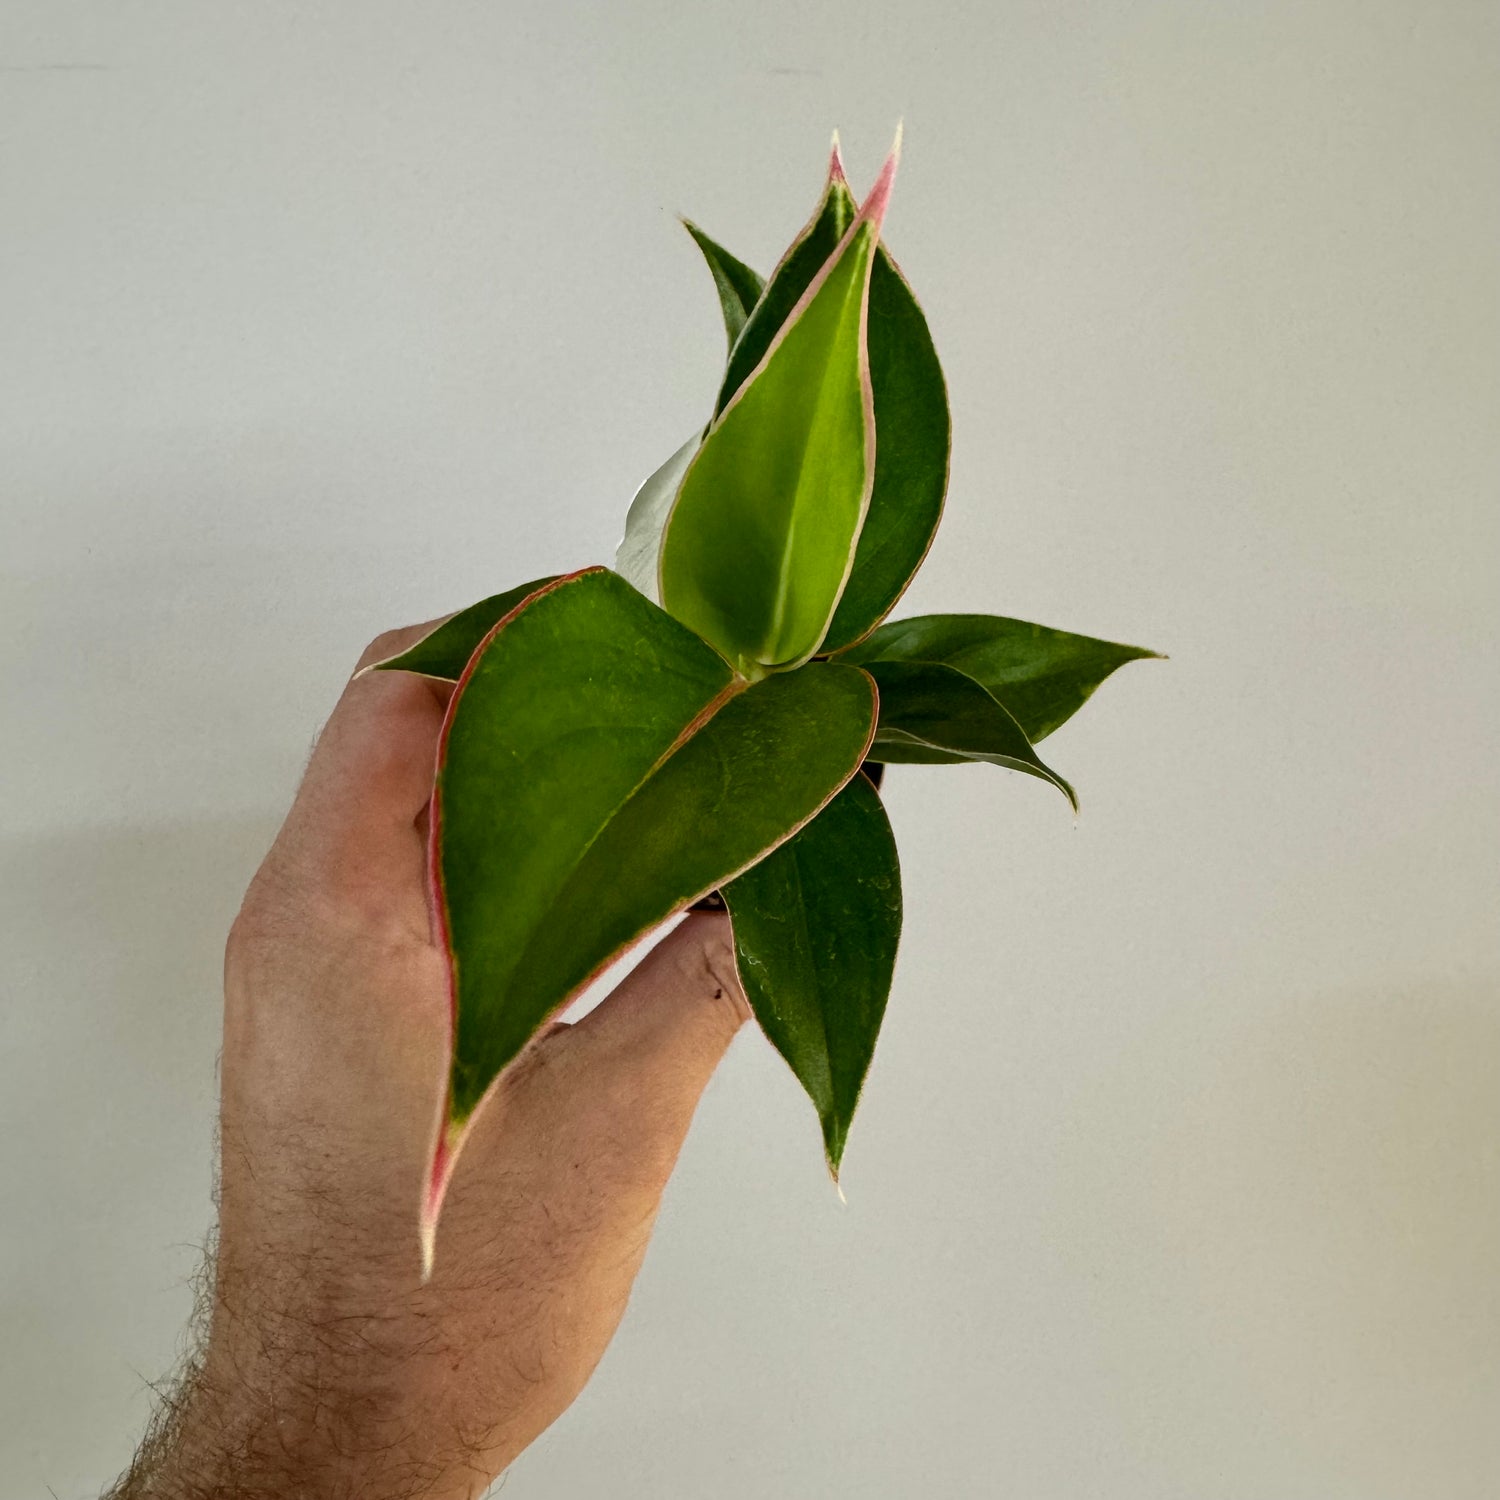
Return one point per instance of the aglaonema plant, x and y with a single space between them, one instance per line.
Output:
621 743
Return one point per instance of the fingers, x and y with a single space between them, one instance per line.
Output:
640 1061
677 1010
585 1127
391 643
354 821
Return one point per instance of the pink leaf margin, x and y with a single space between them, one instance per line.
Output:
449 1136
871 212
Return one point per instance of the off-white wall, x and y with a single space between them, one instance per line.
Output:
1178 1175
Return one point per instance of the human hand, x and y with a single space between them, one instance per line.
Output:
329 1368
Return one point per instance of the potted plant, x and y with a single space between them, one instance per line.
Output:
622 743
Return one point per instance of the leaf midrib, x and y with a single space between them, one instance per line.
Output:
693 727
806 933
788 547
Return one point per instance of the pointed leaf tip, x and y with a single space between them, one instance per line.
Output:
792 454
439 1174
836 171
875 204
816 928
1040 675
739 287
934 714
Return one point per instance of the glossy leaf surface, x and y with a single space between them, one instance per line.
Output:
561 716
758 769
445 651
761 537
739 287
639 552
600 769
910 399
912 436
816 925
931 714
1042 676
794 273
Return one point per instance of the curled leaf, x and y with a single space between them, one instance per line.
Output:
761 538
910 402
912 436
931 714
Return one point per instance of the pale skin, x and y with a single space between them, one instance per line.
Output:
329 1369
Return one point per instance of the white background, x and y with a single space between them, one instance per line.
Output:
1178 1172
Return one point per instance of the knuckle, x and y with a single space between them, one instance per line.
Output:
388 643
731 1009
719 976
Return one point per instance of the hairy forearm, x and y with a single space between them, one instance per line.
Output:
330 1367
208 1443
295 1407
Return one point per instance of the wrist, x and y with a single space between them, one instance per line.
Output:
213 1443
226 1437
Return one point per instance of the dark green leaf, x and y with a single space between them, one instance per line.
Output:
760 540
738 286
806 256
1042 676
912 431
932 714
445 651
599 770
816 924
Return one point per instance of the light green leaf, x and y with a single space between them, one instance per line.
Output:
910 400
932 714
740 292
816 924
1042 676
639 552
761 538
738 286
445 651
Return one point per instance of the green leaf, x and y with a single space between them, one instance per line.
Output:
1042 676
932 714
761 538
794 273
739 287
740 291
639 552
910 399
735 787
912 436
599 770
445 651
816 924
